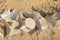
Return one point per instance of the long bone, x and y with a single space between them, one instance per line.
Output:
10 14
13 27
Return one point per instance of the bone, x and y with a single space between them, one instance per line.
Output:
11 28
51 21
13 16
36 16
56 15
13 32
44 23
41 22
29 25
14 24
7 15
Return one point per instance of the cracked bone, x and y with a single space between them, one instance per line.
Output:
10 27
14 24
28 25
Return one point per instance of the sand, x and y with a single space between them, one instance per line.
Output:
47 6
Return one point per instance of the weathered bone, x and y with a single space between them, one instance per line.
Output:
11 28
8 16
51 21
13 20
56 15
40 21
57 23
29 25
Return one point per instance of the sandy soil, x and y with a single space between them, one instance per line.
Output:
47 6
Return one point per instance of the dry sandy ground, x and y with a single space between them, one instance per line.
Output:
47 6
49 34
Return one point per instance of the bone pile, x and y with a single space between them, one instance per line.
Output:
12 22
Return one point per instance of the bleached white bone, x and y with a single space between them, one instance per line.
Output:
7 15
13 31
29 25
11 28
41 22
